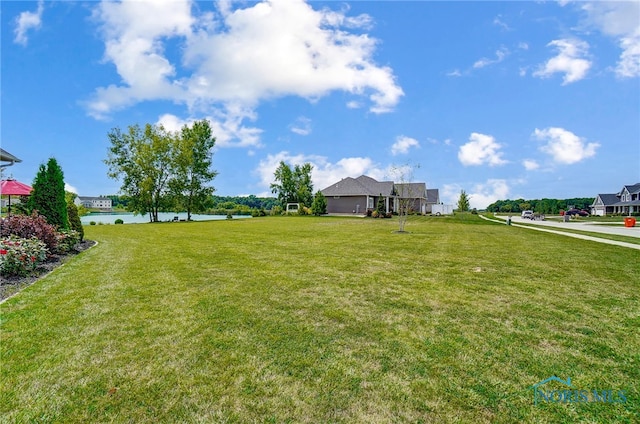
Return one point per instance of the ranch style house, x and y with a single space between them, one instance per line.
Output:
362 194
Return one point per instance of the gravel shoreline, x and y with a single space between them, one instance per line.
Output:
12 285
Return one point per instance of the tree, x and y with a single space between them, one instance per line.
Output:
319 206
74 219
405 192
193 171
303 184
293 186
48 195
463 201
284 186
144 161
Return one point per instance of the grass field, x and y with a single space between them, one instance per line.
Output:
324 320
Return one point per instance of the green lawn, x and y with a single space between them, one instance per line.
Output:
324 320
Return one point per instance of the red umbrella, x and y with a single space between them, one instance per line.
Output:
14 188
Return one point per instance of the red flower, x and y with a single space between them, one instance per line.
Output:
33 259
3 251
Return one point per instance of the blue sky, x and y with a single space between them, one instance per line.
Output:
500 99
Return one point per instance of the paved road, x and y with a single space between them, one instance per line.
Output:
548 226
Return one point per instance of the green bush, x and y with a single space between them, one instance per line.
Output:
92 223
74 219
20 256
119 221
67 241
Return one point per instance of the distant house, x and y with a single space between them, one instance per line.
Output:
357 195
625 202
362 194
94 202
415 193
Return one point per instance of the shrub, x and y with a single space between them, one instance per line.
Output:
20 256
74 219
374 214
119 221
67 240
229 216
28 226
276 210
92 223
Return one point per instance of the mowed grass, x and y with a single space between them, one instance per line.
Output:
323 320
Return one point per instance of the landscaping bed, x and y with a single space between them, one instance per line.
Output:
10 285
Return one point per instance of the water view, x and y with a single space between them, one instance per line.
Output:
130 218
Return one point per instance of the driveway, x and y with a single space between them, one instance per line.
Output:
557 227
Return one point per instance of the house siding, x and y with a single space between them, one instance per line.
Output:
347 204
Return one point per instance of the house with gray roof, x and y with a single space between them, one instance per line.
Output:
625 202
362 194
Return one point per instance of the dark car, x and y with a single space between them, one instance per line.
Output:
572 212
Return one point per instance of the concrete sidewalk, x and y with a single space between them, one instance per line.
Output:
594 228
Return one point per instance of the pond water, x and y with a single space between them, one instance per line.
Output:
130 218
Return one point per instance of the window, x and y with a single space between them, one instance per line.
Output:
370 202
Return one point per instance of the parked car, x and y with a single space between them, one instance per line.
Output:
527 215
579 212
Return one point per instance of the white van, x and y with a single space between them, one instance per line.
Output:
527 215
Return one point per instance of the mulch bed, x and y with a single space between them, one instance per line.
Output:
13 284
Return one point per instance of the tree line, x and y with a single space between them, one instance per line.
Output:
543 206
171 171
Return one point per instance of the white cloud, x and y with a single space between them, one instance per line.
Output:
481 149
454 73
530 164
302 126
482 195
227 128
621 20
27 21
500 55
403 144
499 22
564 146
70 188
324 173
523 46
570 61
233 59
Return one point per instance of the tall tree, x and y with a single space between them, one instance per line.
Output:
193 170
284 185
304 186
48 195
293 186
463 201
143 160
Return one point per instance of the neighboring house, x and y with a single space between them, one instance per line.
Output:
359 195
93 202
625 202
416 193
